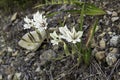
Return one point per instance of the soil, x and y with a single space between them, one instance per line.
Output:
17 63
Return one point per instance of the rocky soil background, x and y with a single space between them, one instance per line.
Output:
19 64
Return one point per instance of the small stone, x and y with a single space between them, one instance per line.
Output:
37 69
1 52
29 56
109 12
15 53
0 77
102 34
108 29
18 75
111 59
102 44
114 19
114 51
93 44
100 55
14 16
47 56
119 73
1 61
110 33
114 13
9 77
9 49
114 41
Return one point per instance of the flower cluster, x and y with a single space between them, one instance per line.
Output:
38 22
66 34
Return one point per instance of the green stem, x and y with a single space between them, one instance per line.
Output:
82 17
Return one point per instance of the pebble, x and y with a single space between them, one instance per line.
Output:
47 56
102 34
0 77
15 53
18 75
29 56
114 41
37 69
110 33
114 51
109 12
119 73
111 59
9 77
114 13
100 55
102 44
9 49
14 16
114 19
93 44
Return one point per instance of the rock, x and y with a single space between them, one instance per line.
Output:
102 44
15 53
114 41
9 77
114 13
32 40
17 76
1 77
111 59
93 44
114 51
114 19
102 34
110 33
37 69
29 56
109 12
119 73
108 29
1 61
100 55
9 49
14 16
47 56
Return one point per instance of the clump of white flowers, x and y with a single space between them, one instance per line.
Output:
38 21
33 39
71 36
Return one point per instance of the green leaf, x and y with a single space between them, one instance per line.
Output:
52 14
82 17
91 9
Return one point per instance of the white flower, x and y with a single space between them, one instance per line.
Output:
28 23
56 38
70 36
40 20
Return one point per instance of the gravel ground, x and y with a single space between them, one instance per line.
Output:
19 64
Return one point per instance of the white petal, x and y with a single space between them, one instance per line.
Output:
54 35
26 26
54 42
